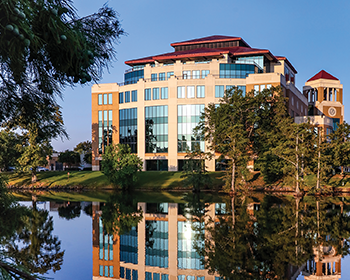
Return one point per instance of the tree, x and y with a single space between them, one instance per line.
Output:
45 46
88 158
70 211
120 166
69 158
83 147
194 169
340 146
35 151
10 148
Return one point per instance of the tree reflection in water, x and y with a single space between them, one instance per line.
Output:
28 245
274 237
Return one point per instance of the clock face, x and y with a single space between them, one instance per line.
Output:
332 111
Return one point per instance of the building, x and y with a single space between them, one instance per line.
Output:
161 99
325 98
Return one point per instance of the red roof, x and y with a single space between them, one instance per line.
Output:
210 39
201 52
322 75
288 63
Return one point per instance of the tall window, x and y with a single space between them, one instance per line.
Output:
148 94
134 96
100 131
181 92
110 98
243 89
155 93
162 76
121 97
100 99
153 77
188 117
127 96
200 91
128 128
219 91
205 73
105 99
129 246
157 247
156 129
164 93
190 92
256 89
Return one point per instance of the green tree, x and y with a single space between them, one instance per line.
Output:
121 166
10 148
69 158
45 46
120 213
88 158
340 146
83 147
194 169
35 152
70 211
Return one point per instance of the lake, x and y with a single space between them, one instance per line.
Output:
185 236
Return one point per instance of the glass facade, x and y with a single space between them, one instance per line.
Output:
128 247
236 71
157 243
156 129
155 93
105 99
219 91
153 77
128 128
190 92
162 76
242 88
187 256
133 77
121 97
181 92
254 60
100 99
157 165
200 91
127 96
105 120
188 117
105 244
205 73
110 99
100 131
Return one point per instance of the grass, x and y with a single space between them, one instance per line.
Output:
151 180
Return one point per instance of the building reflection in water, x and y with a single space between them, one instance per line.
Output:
161 247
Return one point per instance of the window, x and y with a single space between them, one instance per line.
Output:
196 74
292 100
134 96
169 74
200 91
105 99
242 88
256 89
156 276
156 129
148 94
153 77
268 86
262 87
110 98
205 73
155 93
121 97
190 92
219 91
297 104
162 76
186 74
135 275
127 96
100 99
128 128
164 93
181 92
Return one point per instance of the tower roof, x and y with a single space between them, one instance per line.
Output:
322 75
209 39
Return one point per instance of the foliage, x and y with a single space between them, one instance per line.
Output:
70 211
120 166
69 158
45 46
88 158
194 169
35 151
10 148
83 147
120 213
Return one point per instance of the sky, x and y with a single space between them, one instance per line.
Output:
312 34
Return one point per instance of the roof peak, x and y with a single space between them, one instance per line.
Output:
322 75
209 39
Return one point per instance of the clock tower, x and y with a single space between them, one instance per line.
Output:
325 97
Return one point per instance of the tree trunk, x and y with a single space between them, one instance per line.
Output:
297 190
33 175
233 175
318 162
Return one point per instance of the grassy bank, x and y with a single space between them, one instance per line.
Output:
151 180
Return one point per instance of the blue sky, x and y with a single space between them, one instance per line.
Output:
313 35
